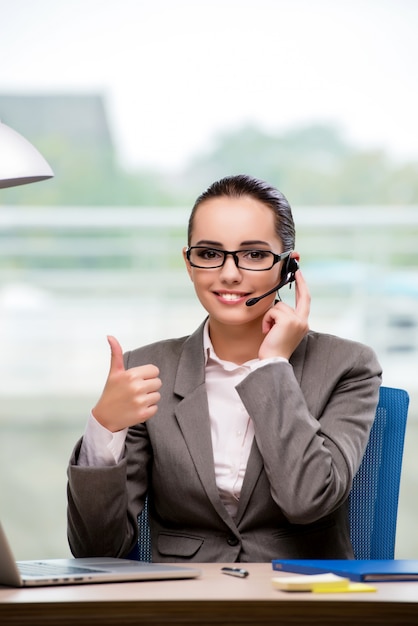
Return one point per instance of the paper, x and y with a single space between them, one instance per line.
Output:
319 583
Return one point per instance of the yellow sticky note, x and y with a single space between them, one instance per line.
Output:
350 588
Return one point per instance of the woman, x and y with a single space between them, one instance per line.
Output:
246 435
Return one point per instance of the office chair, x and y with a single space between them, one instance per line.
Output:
373 501
142 550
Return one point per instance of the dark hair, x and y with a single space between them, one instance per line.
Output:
244 185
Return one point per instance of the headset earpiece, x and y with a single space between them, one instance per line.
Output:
289 269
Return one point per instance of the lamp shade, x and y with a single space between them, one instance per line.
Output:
20 162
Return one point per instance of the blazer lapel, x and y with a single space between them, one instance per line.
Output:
192 414
254 467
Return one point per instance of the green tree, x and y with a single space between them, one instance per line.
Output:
311 165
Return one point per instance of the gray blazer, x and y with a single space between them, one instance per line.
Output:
312 420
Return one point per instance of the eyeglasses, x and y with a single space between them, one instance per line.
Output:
254 260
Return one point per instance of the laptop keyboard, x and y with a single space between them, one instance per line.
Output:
49 569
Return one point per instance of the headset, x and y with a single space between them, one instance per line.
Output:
287 277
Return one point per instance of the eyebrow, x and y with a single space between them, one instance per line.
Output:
218 244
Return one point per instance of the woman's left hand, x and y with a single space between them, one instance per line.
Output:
284 326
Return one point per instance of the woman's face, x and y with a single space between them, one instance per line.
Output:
234 224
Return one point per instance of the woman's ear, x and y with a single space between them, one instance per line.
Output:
188 266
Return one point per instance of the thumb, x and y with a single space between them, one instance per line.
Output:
116 355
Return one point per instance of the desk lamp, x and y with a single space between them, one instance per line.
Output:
20 162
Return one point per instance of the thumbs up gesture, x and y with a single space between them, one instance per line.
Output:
129 396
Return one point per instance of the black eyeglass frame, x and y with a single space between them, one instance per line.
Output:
234 253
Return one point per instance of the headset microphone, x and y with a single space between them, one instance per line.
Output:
288 278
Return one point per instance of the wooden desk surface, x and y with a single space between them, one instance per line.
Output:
213 598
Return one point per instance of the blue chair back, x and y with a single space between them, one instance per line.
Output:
373 501
144 537
142 550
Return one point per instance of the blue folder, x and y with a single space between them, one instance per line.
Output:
384 570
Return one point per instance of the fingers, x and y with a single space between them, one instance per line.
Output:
139 393
268 321
116 355
303 297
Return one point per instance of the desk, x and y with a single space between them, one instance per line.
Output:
214 598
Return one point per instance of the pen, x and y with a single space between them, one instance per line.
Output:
235 571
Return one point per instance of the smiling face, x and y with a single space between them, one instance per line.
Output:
234 223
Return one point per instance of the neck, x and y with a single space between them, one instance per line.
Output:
237 344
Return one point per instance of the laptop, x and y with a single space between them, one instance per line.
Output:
81 570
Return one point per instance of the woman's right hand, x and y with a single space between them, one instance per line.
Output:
284 326
129 396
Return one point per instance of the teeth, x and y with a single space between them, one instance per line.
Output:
230 296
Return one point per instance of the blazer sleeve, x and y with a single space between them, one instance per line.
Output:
103 506
312 432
